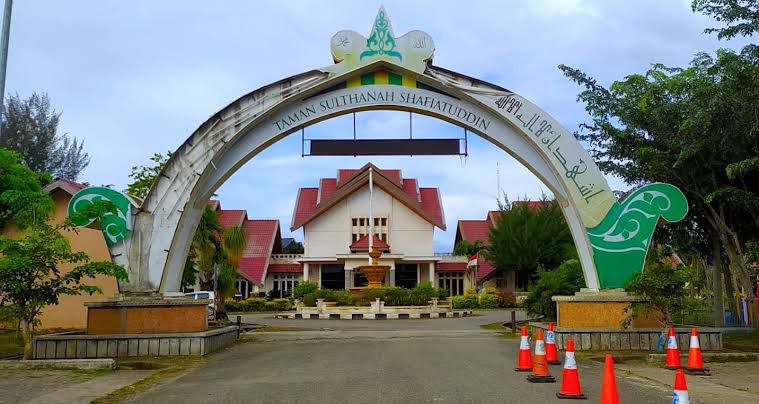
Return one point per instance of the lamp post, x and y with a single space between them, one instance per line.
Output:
4 54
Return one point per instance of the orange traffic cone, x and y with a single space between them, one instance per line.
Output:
570 380
680 393
695 362
673 355
609 394
551 355
524 360
540 372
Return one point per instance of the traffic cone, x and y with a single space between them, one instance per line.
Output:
680 393
540 372
570 379
609 394
551 355
695 362
673 355
524 360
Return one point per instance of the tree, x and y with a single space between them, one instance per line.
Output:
564 280
30 127
234 246
527 238
741 16
22 199
693 127
663 284
468 249
143 177
295 247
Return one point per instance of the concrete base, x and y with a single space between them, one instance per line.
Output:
599 309
639 339
146 315
79 346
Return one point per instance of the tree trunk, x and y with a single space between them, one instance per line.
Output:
730 291
718 302
26 334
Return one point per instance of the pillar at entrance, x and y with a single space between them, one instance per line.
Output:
146 315
599 310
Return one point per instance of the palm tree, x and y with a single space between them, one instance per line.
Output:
233 248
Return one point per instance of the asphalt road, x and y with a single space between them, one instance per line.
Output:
420 368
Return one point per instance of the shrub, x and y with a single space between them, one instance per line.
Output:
231 305
443 293
304 288
457 302
310 300
565 280
471 302
253 304
281 304
506 299
470 291
489 301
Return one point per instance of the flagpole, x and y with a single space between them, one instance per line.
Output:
4 53
371 215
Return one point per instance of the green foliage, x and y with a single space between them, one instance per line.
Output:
30 127
741 16
258 304
304 288
525 238
421 295
466 248
31 278
565 280
295 247
663 284
21 196
489 301
143 177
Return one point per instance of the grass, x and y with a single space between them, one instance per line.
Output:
9 344
167 367
746 341
497 326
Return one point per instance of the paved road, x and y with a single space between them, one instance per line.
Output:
412 367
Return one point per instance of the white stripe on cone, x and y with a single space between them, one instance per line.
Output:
680 397
671 343
694 341
540 347
550 339
524 343
569 360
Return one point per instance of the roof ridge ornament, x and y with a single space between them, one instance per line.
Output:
351 50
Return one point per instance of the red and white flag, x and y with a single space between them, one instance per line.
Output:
472 261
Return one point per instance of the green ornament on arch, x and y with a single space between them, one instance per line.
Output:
115 226
621 240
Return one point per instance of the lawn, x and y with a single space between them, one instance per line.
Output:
741 340
9 345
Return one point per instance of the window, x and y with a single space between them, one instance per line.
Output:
244 288
359 279
452 281
333 276
284 284
406 275
360 228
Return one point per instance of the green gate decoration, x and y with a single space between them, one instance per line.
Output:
381 41
115 226
621 241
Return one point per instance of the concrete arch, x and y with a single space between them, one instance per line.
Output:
165 222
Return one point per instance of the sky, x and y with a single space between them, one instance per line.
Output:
136 77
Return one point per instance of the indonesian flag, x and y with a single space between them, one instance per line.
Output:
472 261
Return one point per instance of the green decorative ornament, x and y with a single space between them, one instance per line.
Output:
620 242
381 41
115 226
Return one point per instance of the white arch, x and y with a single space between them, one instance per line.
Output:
166 221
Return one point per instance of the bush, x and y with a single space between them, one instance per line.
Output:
565 280
489 301
232 305
281 304
253 304
304 288
443 293
310 300
506 299
471 302
258 304
457 302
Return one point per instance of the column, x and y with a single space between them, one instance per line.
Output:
348 279
431 271
305 271
391 275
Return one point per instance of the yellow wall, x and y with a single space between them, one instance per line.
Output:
70 311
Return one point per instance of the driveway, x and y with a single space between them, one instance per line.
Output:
412 364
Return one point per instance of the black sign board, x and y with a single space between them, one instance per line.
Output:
385 147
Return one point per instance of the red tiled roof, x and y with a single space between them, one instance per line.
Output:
450 267
484 268
285 268
68 186
305 204
73 184
260 235
311 199
493 216
473 230
231 218
214 204
362 244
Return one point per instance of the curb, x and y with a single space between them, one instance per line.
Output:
81 364
659 358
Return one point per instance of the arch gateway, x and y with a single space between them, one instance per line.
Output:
151 238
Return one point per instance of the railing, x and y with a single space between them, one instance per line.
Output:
285 257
